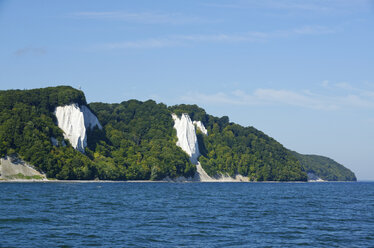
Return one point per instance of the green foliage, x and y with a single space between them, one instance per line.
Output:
137 142
233 149
21 176
325 168
45 99
27 124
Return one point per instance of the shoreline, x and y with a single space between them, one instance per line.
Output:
161 181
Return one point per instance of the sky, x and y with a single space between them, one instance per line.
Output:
302 71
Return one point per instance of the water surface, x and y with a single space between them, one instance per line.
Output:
187 214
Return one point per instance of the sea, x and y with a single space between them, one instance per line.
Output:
123 214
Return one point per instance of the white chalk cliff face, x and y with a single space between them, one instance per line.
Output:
314 178
11 167
201 127
187 140
186 134
74 120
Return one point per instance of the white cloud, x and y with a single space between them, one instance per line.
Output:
277 97
344 86
243 37
150 43
348 87
371 121
287 97
31 51
314 30
368 94
216 98
297 6
183 40
325 84
138 17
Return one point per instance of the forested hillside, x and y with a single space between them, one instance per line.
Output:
137 141
27 124
231 148
325 168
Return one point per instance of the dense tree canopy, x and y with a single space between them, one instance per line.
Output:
325 168
137 142
27 124
233 149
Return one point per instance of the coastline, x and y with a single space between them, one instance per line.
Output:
149 181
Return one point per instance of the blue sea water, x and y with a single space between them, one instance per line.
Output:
187 214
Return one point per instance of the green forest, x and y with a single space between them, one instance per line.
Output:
137 142
27 123
233 149
326 168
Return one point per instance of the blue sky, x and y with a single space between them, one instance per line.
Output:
302 71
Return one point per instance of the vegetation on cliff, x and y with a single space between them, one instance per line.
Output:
27 123
325 168
137 142
234 149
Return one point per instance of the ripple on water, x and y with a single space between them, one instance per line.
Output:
191 215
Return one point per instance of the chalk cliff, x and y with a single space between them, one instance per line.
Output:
201 127
187 140
314 178
74 120
186 134
12 168
140 143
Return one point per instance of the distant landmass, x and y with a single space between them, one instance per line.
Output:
324 168
60 136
